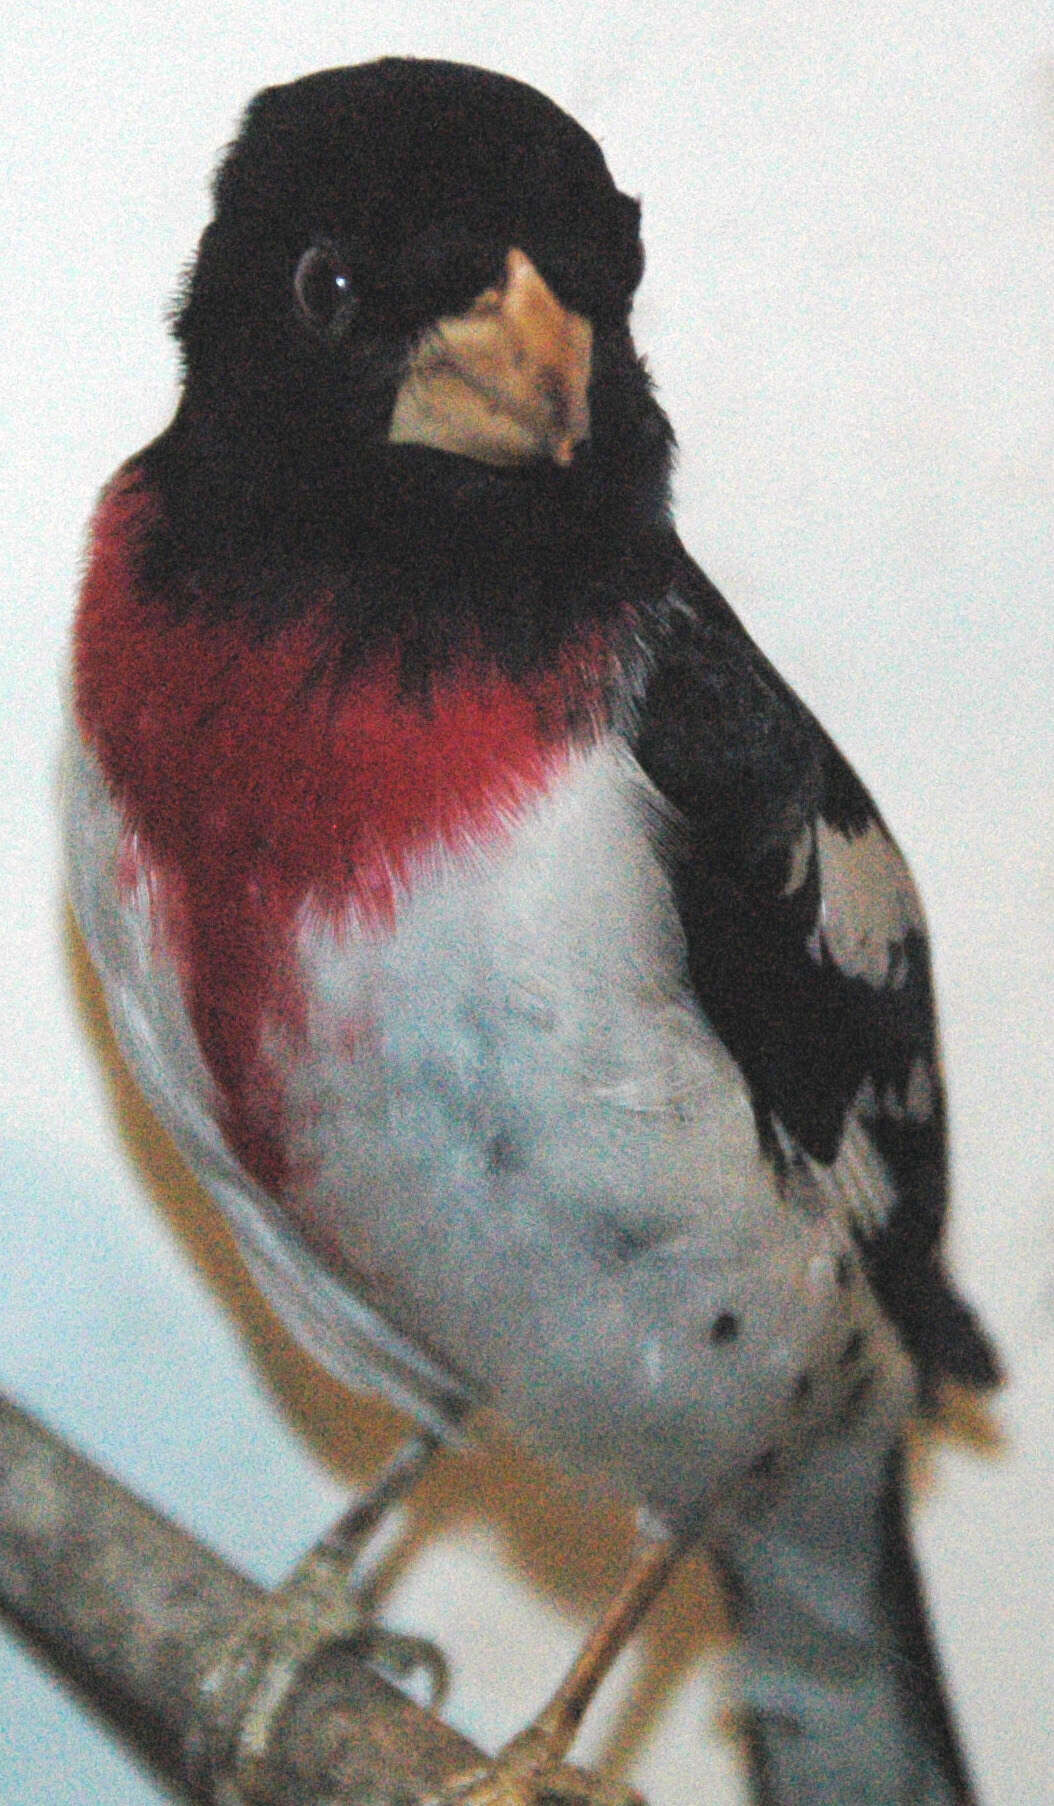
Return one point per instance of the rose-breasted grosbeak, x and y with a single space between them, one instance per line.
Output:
509 951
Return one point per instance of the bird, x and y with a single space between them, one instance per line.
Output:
526 974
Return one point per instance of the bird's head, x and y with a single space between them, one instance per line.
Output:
416 266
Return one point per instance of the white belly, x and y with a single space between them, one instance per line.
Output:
528 1170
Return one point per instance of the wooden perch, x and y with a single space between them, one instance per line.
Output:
138 1611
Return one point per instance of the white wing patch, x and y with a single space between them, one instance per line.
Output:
868 904
800 861
857 1186
919 1098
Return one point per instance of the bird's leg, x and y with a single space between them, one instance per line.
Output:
314 1607
530 1770
321 1580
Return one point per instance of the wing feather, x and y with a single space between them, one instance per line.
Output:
807 949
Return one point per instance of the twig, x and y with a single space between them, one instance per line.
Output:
139 1611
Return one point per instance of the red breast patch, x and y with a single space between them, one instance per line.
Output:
259 777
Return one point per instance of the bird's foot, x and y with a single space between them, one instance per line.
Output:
275 1645
287 1630
530 1771
527 1773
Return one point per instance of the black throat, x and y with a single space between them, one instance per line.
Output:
436 554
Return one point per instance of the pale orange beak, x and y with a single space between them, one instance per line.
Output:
505 382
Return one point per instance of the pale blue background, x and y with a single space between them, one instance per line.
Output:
847 311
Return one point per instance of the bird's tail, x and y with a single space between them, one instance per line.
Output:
842 1695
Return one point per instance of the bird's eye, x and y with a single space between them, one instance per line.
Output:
323 288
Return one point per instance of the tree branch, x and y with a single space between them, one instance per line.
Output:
138 1612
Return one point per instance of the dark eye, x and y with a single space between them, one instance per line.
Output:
323 288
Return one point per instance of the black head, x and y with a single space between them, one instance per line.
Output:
420 175
355 207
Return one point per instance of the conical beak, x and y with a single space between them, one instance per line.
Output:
505 382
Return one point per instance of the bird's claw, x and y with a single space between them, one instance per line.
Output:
524 1774
399 1656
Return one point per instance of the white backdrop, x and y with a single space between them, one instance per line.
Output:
846 306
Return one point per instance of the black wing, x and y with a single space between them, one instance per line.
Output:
806 944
